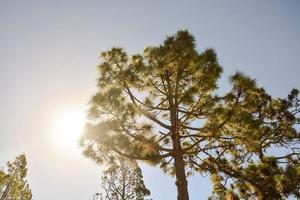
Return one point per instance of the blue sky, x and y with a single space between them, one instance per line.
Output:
49 52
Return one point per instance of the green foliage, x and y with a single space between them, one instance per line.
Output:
161 107
13 185
255 124
138 92
123 180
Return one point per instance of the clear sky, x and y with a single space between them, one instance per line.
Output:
48 56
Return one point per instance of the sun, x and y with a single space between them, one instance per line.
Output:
68 126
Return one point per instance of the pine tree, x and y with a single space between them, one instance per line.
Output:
260 125
161 107
123 180
13 185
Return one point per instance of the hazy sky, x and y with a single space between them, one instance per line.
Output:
48 56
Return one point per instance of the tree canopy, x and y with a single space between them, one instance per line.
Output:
13 185
261 160
123 180
162 107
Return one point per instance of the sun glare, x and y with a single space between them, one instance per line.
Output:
68 126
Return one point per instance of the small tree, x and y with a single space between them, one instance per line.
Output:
98 196
123 181
13 185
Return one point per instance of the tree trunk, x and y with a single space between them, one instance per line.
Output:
181 182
